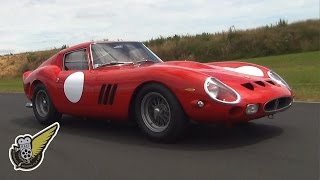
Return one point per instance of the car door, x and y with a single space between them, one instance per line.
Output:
74 82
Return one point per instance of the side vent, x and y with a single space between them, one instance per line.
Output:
103 87
107 94
260 83
248 86
113 93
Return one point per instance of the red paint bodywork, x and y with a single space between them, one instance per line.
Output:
175 75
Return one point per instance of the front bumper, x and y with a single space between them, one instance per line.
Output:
215 112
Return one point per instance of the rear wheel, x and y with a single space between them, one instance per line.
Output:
43 109
159 114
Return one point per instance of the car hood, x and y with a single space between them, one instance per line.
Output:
238 72
228 72
249 80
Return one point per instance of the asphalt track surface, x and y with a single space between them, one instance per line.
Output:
286 147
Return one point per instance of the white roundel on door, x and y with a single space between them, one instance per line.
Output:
73 86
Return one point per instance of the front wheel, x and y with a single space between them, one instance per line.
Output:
43 108
159 114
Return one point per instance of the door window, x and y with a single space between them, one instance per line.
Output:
77 60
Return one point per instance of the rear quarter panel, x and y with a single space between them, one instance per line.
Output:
46 74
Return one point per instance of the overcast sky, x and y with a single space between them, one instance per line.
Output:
28 25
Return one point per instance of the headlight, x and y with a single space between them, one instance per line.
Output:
274 76
220 91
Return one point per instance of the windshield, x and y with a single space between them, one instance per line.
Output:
112 53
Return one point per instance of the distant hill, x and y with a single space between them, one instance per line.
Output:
15 65
280 38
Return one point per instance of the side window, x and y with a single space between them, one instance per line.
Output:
76 60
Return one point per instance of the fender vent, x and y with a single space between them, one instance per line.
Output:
260 83
248 86
107 94
278 104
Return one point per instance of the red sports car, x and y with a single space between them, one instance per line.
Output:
126 80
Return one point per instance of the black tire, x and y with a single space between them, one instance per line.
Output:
155 123
43 108
243 124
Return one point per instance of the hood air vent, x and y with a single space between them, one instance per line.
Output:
260 83
248 86
271 82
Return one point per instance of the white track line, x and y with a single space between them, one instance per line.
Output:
306 102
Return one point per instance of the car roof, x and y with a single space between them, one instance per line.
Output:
86 44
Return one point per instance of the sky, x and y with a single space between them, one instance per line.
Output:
30 25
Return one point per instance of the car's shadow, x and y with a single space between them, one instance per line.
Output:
198 137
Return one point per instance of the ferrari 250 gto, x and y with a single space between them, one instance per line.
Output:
126 80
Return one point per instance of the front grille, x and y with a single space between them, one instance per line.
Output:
278 104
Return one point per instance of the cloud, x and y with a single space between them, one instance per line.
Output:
41 24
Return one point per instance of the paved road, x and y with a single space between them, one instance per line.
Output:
286 147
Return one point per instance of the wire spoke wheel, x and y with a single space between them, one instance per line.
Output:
43 109
159 113
155 112
42 103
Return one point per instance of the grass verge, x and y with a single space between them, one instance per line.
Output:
11 85
301 71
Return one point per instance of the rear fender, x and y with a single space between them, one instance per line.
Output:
46 75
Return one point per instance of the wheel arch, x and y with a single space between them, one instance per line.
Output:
46 76
33 86
35 83
138 88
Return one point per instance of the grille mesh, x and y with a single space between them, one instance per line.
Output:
277 104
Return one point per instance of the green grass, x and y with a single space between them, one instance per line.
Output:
301 71
11 85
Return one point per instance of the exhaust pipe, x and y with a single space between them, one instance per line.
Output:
270 116
29 105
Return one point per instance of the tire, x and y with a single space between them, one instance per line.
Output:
159 114
243 124
43 109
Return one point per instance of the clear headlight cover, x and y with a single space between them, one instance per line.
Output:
274 76
220 91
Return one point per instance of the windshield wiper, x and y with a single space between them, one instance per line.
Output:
113 63
144 61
